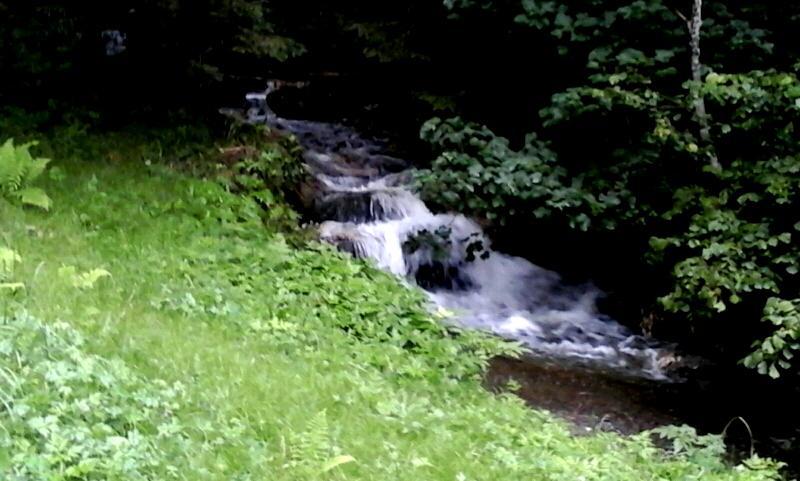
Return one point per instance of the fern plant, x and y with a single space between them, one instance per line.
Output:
18 171
313 451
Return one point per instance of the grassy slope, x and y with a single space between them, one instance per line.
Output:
285 358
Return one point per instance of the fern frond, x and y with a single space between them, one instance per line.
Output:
34 197
313 446
18 169
12 171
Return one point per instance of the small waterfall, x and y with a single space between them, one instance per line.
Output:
368 209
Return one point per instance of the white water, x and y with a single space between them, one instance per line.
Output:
368 209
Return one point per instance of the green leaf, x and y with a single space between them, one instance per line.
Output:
336 461
12 286
773 372
631 56
8 258
664 55
35 197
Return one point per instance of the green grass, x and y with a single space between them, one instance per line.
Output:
218 350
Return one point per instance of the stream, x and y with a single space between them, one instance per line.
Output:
579 363
366 205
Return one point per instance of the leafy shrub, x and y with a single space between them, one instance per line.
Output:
265 168
67 414
776 351
629 154
686 442
18 171
479 170
737 237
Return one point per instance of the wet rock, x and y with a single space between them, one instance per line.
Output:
308 192
439 275
354 207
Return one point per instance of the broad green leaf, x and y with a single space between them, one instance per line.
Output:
35 197
337 461
12 286
8 258
773 372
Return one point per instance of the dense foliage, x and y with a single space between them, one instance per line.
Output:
626 153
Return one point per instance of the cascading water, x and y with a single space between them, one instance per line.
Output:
369 209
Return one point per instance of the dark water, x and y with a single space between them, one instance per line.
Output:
591 400
752 413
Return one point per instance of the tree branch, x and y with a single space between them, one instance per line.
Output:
682 17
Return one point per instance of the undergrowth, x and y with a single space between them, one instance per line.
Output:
206 346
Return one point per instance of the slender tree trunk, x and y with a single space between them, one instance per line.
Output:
699 103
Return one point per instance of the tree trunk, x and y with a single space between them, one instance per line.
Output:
699 103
